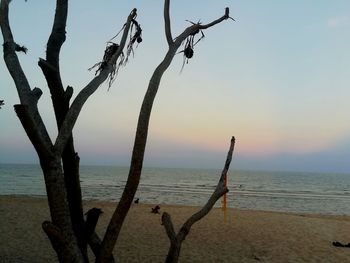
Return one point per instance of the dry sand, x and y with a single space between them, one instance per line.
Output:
246 236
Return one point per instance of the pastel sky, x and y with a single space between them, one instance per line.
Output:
278 79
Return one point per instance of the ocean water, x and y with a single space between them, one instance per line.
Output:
258 190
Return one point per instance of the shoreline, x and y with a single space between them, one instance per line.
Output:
268 191
246 236
217 206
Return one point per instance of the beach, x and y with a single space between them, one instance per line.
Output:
245 235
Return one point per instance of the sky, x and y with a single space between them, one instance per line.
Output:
278 79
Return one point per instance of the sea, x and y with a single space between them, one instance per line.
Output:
312 193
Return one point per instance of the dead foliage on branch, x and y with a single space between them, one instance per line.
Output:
112 48
188 51
190 42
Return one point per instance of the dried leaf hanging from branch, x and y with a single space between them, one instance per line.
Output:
112 48
190 42
188 51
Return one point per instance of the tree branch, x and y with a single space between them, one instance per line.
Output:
60 100
10 56
51 67
54 82
58 33
196 27
140 141
31 129
168 35
169 227
220 190
217 21
28 98
36 92
87 91
228 159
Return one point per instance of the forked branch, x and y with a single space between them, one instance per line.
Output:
176 240
140 141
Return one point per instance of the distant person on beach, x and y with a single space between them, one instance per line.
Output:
137 200
155 210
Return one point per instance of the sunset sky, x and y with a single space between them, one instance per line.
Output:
278 79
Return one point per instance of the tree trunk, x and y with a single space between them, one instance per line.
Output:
71 160
60 231
173 252
60 100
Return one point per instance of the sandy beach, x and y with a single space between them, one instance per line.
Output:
246 236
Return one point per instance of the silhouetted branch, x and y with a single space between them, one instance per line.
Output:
27 97
92 217
176 240
167 24
10 56
36 92
224 17
140 141
31 129
50 66
169 227
194 29
58 34
88 90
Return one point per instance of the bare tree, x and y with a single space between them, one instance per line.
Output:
68 232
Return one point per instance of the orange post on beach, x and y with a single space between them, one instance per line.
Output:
224 201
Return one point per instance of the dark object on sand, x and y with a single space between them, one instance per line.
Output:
338 244
2 103
155 210
137 200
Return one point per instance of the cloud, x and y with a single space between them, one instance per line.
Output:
339 21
